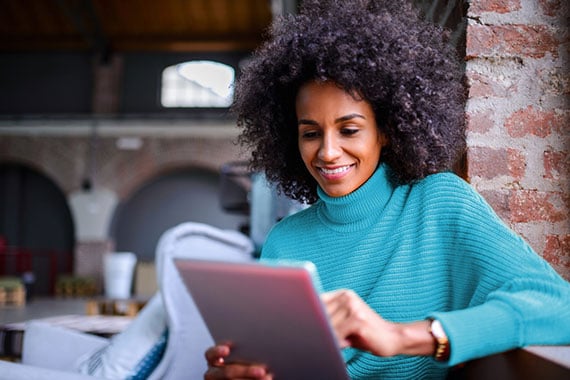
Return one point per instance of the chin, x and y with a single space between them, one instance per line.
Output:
336 193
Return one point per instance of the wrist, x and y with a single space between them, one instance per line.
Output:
415 338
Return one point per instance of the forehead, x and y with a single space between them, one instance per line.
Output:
327 96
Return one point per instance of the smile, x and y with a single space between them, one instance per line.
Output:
338 170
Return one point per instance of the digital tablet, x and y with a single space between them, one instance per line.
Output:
270 314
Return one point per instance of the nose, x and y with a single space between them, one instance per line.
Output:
330 148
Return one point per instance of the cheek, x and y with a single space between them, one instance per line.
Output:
372 156
379 146
303 154
305 151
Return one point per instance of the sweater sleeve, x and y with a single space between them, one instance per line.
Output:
511 296
531 311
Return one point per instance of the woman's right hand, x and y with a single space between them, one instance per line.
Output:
219 369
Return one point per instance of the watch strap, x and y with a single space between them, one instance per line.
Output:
442 347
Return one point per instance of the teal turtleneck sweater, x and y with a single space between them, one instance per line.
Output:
431 249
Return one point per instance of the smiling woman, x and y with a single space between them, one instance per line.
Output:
339 140
357 108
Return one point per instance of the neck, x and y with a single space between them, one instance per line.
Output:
356 208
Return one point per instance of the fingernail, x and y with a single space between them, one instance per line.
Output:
258 371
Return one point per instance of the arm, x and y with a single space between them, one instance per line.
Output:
524 311
499 294
358 326
504 295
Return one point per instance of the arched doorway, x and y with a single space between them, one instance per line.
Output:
37 225
173 198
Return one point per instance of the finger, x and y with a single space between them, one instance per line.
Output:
215 355
238 371
214 373
342 306
341 297
339 306
331 296
245 371
333 302
338 321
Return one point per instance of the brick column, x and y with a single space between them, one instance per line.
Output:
518 118
107 76
89 260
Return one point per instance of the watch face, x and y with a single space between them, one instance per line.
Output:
437 329
442 350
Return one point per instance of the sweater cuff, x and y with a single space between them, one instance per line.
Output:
480 331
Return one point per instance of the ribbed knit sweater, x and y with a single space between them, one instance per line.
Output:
431 249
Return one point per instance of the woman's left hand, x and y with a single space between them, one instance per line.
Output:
357 325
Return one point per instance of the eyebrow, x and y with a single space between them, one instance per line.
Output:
349 117
338 120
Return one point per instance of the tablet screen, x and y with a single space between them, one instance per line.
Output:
271 314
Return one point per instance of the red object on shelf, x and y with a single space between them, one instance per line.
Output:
16 261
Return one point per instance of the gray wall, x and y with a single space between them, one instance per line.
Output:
165 202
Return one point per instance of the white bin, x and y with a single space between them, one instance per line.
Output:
118 270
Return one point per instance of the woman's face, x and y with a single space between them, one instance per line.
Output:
339 141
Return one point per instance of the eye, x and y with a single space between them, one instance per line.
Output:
309 134
348 131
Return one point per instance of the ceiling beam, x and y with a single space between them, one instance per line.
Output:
83 16
131 45
184 45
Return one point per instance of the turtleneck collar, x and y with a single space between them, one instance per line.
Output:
356 208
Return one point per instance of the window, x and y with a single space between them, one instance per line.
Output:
197 84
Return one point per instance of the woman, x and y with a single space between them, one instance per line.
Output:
357 108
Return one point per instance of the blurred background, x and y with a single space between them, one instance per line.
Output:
114 125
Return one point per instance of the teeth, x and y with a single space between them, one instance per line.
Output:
335 171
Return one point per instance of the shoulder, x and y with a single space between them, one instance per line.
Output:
443 182
287 231
446 186
449 196
292 225
454 203
298 221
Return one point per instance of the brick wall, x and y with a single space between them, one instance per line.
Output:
66 158
518 118
62 153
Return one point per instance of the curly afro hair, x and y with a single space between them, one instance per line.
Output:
382 51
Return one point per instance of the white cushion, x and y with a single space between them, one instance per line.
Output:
57 347
134 351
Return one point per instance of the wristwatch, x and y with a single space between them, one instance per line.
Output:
442 349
